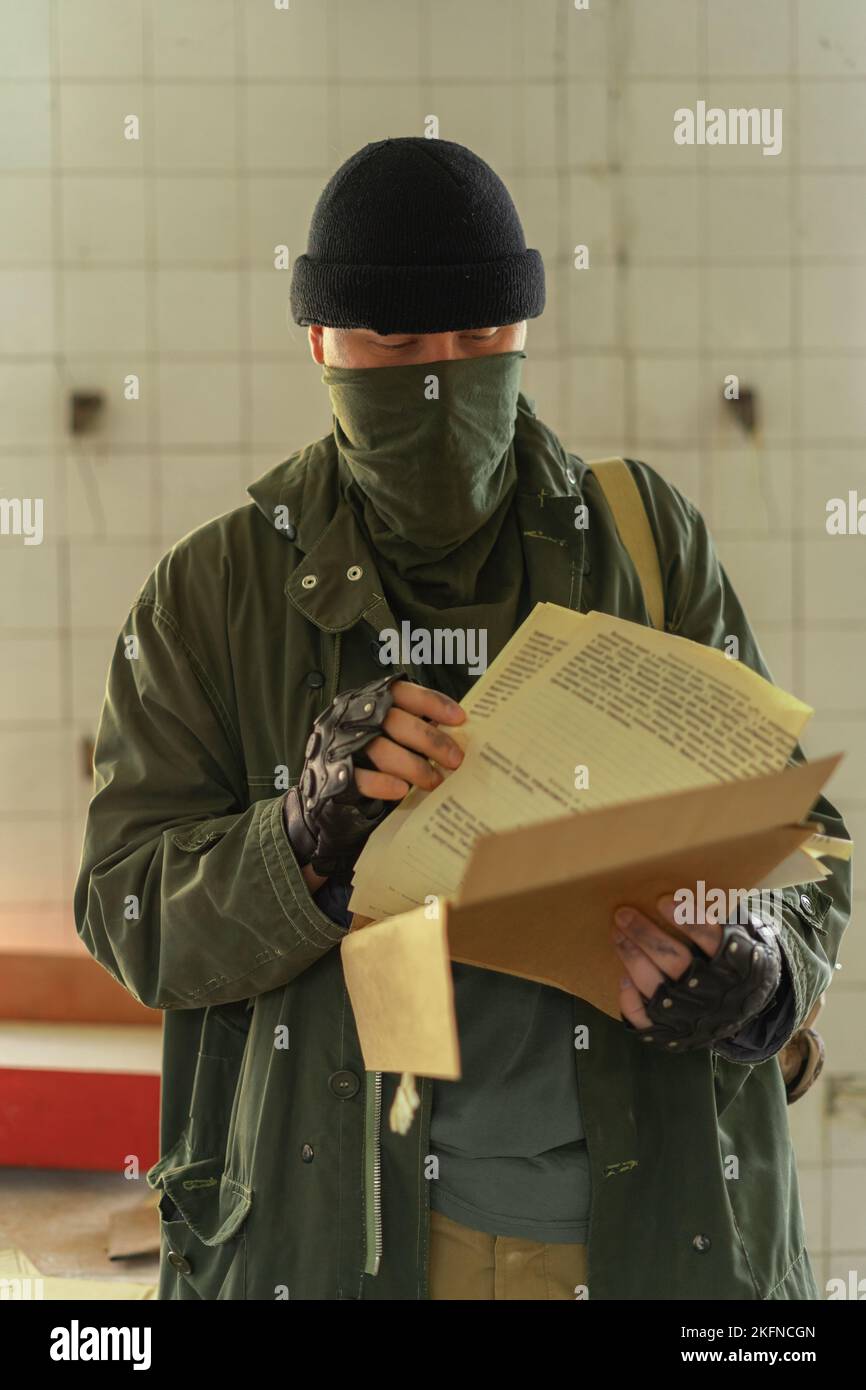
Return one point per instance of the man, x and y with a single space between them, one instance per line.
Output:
250 741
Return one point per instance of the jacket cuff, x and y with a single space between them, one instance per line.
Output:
314 927
765 1034
803 907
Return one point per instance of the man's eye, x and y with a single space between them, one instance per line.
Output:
483 337
396 347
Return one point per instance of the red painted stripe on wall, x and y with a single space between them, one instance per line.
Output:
78 1119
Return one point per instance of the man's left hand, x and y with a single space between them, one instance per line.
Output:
681 997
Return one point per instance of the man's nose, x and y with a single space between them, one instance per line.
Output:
441 347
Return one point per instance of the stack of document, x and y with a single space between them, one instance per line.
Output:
605 763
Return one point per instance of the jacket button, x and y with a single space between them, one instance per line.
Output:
344 1084
702 1243
307 1153
805 903
315 679
179 1262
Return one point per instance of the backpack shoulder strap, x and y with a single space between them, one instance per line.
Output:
629 513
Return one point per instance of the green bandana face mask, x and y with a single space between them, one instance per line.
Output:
430 446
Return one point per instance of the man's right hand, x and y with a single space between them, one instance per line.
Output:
410 737
364 752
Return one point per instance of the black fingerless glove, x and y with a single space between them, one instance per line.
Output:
327 818
718 994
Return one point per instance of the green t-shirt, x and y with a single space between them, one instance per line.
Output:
508 1136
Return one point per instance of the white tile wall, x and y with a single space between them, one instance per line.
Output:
472 42
549 35
195 488
660 217
194 38
662 38
378 39
195 127
831 214
286 127
750 492
748 219
196 311
155 258
744 39
99 38
24 39
92 120
286 44
749 308
25 125
199 403
27 324
103 220
25 219
832 116
833 307
663 308
197 220
762 575
104 311
832 39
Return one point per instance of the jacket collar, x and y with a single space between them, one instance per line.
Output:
336 582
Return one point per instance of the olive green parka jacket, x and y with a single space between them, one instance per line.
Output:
278 1177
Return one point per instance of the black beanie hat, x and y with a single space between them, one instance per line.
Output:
416 236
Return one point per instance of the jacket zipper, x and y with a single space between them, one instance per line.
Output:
373 1174
426 1096
592 1184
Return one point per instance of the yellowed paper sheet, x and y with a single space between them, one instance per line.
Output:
829 847
538 639
641 711
20 1277
398 974
537 902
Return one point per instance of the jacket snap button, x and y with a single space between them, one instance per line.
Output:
315 679
309 581
354 572
344 1084
702 1243
307 1153
179 1262
290 530
805 903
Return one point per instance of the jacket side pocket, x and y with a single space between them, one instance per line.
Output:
202 1218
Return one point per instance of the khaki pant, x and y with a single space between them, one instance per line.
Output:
471 1264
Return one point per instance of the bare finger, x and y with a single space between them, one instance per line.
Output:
380 786
707 934
391 757
672 957
427 703
631 1005
644 974
412 732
